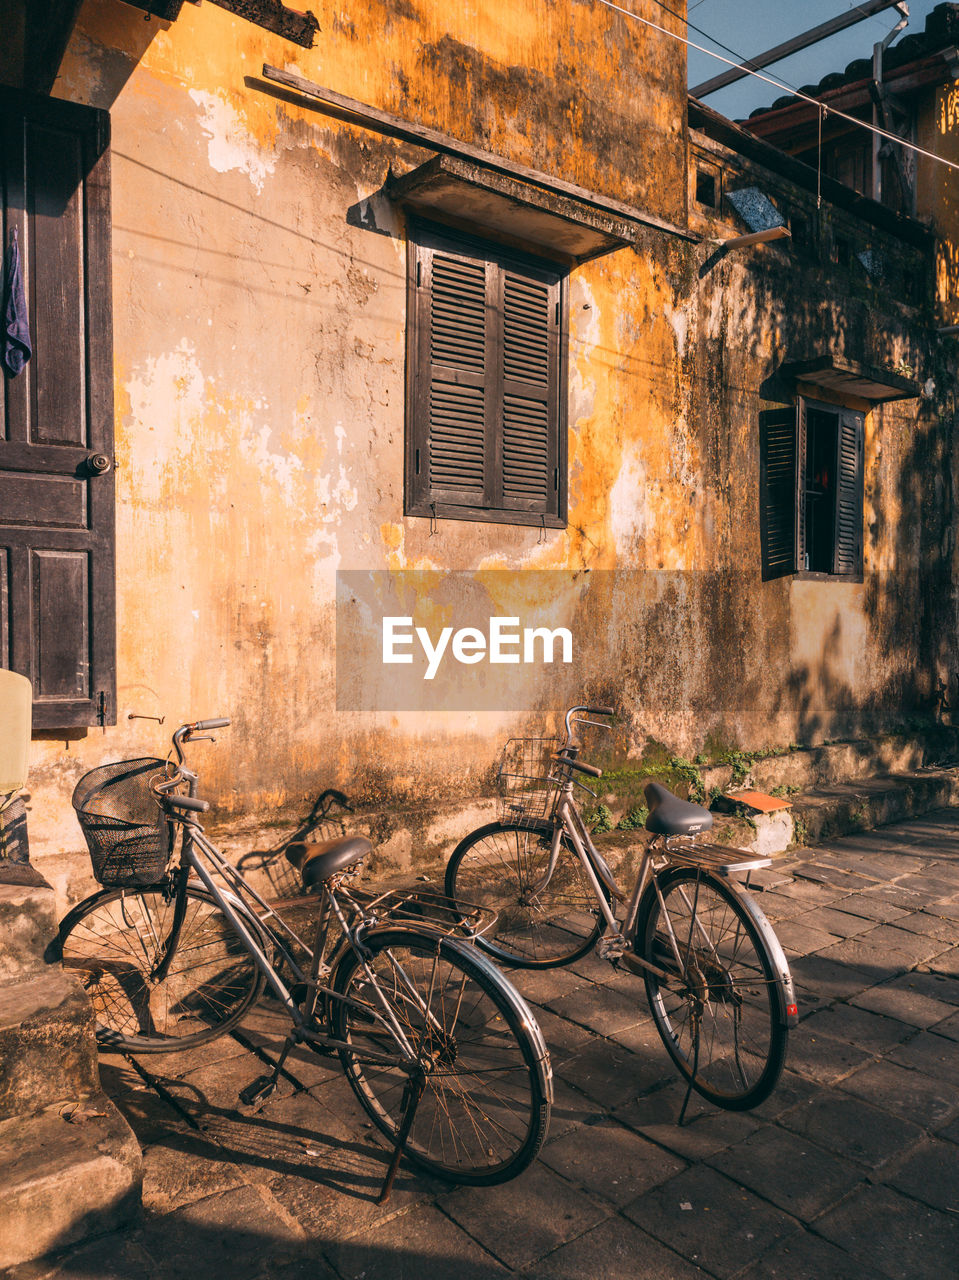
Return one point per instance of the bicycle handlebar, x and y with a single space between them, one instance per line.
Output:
575 764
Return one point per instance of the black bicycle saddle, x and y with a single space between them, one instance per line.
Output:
317 862
670 816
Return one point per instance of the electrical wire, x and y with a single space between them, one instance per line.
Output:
778 84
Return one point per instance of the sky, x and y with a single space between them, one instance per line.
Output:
752 26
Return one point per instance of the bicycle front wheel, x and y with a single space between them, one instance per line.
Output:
499 866
115 942
484 1109
718 1011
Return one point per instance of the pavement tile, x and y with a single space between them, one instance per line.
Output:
834 877
911 1094
932 1054
832 920
900 999
822 1058
947 963
945 908
927 923
611 1075
570 1108
711 1221
542 985
949 1027
928 884
930 1174
893 895
184 1167
110 1257
563 1038
895 1234
601 1009
871 1032
790 1170
806 1257
880 960
936 986
871 907
645 1040
704 1131
830 979
610 1161
799 939
614 1249
423 1243
782 904
950 1131
815 893
227 1235
852 1128
522 1220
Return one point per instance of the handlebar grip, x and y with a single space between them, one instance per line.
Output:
582 768
219 723
195 805
600 711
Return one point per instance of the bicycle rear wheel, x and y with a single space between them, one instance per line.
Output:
719 1012
116 940
484 1110
497 866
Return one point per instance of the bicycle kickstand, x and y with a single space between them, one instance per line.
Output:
689 1086
259 1090
412 1093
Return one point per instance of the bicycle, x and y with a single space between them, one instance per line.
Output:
717 981
441 1051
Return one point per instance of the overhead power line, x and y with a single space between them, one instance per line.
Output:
778 84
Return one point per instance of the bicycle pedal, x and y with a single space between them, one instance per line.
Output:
257 1090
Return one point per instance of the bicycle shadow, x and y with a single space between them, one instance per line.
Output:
272 866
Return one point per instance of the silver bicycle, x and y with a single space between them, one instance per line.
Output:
439 1048
716 978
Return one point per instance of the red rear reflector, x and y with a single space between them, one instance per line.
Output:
792 1010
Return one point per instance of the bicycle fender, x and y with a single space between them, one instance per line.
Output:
789 1010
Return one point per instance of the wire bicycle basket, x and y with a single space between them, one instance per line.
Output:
129 838
526 779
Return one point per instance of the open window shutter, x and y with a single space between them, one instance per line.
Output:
57 588
848 546
527 458
781 462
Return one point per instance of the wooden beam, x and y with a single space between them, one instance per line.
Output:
48 32
272 15
354 112
780 51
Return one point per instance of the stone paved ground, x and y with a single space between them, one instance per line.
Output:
850 1171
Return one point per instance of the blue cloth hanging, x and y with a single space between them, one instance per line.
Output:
17 349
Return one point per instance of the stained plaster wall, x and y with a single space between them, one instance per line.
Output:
259 303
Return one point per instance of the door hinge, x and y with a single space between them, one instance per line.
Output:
101 708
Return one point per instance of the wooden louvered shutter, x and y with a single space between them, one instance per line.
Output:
484 412
528 459
847 556
781 464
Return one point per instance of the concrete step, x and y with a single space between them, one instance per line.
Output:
62 1181
842 809
47 1046
28 922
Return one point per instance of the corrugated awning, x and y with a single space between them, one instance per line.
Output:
499 207
849 377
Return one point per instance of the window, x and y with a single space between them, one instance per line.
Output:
811 482
56 415
707 187
486 383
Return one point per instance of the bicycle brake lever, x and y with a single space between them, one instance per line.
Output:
589 791
202 737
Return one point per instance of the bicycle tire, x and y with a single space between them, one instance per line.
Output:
495 865
484 1111
115 938
728 980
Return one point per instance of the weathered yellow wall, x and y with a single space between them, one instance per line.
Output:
260 407
937 187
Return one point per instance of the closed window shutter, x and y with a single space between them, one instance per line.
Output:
780 514
848 546
457 414
484 378
529 479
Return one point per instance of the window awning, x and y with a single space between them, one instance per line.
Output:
849 377
497 207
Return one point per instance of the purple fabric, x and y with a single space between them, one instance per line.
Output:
16 326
